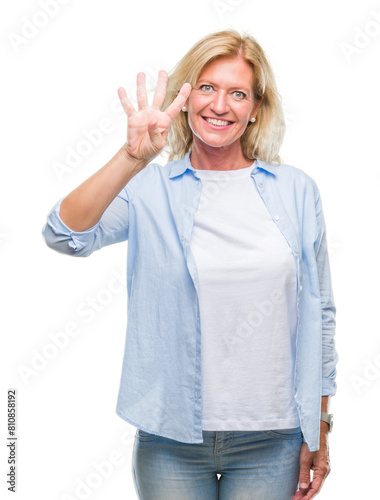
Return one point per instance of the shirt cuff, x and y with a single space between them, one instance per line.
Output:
76 239
328 386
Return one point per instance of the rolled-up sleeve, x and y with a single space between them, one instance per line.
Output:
112 228
329 354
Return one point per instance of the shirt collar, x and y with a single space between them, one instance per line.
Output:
180 166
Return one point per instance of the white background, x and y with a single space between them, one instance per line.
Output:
61 82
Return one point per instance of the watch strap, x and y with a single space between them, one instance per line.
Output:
328 418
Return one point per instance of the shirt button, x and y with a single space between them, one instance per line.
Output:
255 170
301 287
276 217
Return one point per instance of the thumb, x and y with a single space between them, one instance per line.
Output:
304 477
156 134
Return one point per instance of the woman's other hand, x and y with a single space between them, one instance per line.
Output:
148 127
316 461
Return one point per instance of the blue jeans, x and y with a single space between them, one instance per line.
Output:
253 465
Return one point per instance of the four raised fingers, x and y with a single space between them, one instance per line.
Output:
159 96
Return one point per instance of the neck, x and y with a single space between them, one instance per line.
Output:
205 157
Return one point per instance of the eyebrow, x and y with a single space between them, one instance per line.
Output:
210 82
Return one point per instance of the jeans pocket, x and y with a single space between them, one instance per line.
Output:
146 436
293 433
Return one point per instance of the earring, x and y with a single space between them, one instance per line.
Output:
253 120
183 108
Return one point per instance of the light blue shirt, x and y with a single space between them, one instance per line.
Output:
160 387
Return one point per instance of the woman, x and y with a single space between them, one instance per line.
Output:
227 241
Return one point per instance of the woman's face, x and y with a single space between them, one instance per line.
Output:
221 103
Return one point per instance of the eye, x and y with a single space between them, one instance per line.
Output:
206 88
239 94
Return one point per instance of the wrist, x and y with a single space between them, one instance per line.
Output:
136 164
328 419
325 428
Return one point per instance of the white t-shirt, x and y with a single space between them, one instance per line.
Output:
247 293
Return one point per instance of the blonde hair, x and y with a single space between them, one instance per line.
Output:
261 139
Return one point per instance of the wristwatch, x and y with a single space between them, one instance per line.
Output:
328 417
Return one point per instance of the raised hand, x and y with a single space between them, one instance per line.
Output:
148 127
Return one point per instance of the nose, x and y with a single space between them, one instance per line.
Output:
219 104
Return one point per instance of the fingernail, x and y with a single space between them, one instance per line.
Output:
303 485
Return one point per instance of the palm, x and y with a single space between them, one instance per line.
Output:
140 142
148 127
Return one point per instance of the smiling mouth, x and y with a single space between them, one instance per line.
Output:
218 123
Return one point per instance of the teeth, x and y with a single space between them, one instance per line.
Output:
217 122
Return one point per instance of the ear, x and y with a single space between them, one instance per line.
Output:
256 108
185 105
